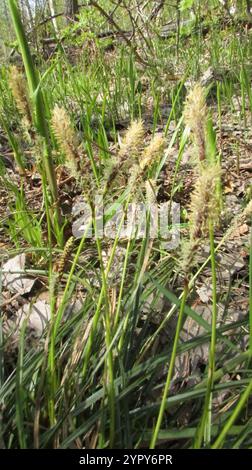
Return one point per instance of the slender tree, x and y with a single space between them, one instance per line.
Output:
71 9
249 10
54 20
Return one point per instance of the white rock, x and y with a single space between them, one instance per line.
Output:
37 316
14 281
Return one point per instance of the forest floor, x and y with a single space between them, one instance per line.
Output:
143 287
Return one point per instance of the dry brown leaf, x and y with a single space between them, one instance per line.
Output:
239 231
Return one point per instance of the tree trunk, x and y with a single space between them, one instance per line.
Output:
54 21
249 10
71 10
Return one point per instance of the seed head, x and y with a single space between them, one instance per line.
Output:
196 115
204 208
66 138
19 90
132 141
152 153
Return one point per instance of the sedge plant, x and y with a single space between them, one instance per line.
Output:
203 214
40 117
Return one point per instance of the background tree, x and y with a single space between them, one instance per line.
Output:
71 9
249 10
54 20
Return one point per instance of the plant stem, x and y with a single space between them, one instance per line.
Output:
163 405
15 147
107 321
220 439
205 423
38 99
250 294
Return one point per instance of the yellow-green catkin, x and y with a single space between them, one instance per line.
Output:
60 265
204 201
147 158
204 208
67 139
196 117
152 152
18 87
127 158
132 142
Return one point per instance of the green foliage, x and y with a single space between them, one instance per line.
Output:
186 4
103 375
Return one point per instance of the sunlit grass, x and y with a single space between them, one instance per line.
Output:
102 377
